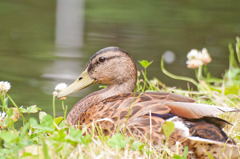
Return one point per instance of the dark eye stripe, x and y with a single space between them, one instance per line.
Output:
91 66
112 57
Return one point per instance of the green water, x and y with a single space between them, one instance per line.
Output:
35 56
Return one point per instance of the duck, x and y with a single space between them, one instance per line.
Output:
143 114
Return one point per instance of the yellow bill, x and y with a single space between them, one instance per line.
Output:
83 81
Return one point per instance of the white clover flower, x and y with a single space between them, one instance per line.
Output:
194 63
4 86
197 58
2 115
60 87
204 51
193 54
194 59
206 58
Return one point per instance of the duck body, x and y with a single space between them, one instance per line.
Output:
117 108
143 114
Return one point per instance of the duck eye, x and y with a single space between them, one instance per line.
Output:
101 59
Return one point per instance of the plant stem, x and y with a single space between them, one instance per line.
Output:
177 77
65 113
15 105
54 111
238 48
199 73
144 82
64 110
133 101
1 99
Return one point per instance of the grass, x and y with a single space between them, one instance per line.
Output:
50 136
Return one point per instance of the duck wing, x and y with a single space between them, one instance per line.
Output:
160 104
196 111
133 111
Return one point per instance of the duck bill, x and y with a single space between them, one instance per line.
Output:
83 81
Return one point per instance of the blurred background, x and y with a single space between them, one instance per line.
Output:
43 43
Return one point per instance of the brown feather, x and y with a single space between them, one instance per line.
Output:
196 111
116 106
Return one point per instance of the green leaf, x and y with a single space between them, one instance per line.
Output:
5 102
76 136
182 157
47 121
62 124
75 133
137 145
209 155
26 154
185 152
41 115
168 128
33 122
117 141
46 124
145 63
58 120
24 129
59 135
6 121
7 136
10 112
45 151
178 157
31 109
86 139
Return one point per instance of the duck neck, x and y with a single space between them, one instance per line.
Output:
95 97
112 90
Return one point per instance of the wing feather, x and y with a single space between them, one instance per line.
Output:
196 111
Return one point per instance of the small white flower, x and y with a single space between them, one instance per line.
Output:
194 63
197 58
2 115
4 86
204 51
206 58
193 54
60 87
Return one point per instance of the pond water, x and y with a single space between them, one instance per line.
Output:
46 42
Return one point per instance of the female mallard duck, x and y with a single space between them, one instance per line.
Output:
195 124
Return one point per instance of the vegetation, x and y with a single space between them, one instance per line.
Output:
50 136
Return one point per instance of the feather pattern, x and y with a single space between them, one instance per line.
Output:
116 107
196 111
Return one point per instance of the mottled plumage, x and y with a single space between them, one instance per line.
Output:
195 124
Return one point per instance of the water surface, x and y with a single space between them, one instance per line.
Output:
45 42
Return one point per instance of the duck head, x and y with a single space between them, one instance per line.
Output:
112 66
